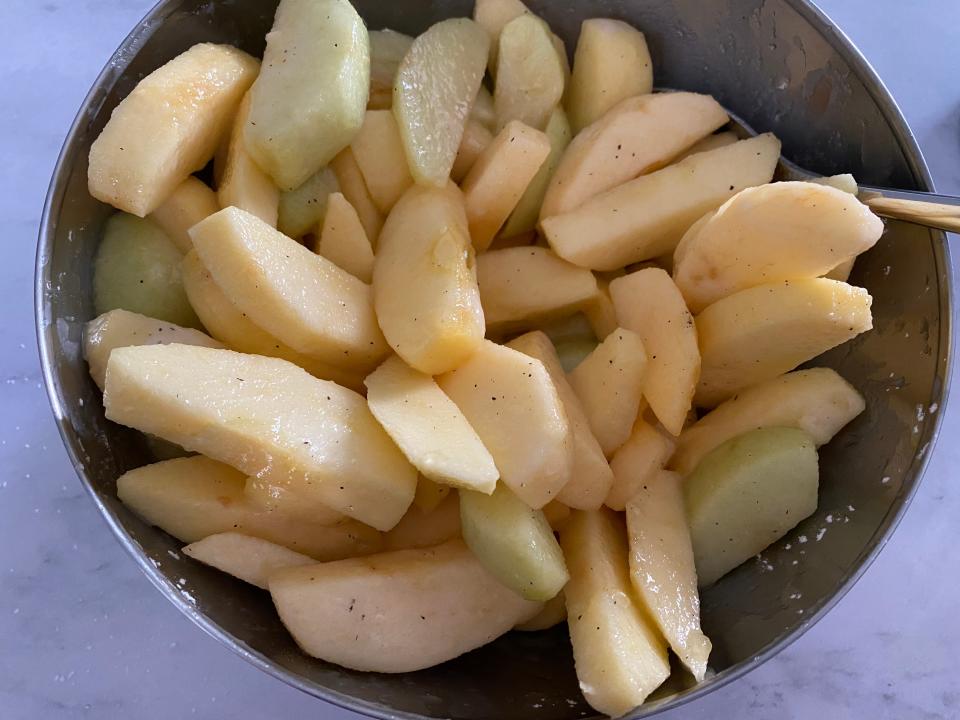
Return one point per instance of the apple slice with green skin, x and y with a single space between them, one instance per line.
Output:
189 203
645 217
398 611
387 48
748 493
619 654
611 63
234 329
302 210
343 240
168 127
421 528
305 300
317 60
650 304
817 400
242 183
120 328
268 418
247 558
662 567
425 283
609 383
523 287
194 497
429 428
591 477
513 405
764 331
530 77
515 543
137 268
780 231
436 84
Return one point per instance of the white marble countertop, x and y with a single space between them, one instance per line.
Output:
82 632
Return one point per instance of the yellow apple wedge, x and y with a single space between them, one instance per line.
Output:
343 241
641 457
421 528
242 183
425 282
168 127
649 303
619 655
354 188
530 76
267 418
764 331
246 557
429 428
512 403
492 16
379 153
476 138
398 611
429 494
387 48
189 203
194 497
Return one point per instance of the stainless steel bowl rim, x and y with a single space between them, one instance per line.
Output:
116 66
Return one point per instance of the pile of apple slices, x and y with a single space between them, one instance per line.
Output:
456 360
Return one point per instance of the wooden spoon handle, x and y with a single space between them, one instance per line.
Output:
936 211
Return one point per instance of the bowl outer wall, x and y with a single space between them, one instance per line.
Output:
98 451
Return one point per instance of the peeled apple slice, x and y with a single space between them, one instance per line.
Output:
378 150
194 497
662 567
620 656
302 210
421 528
510 400
611 63
436 84
267 418
168 127
747 494
639 459
387 48
188 204
398 611
310 97
343 240
242 183
818 401
530 77
120 328
492 16
429 494
767 330
137 268
514 542
248 558
780 231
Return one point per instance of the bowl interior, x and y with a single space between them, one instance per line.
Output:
779 65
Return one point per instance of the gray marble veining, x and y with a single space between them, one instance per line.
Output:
84 634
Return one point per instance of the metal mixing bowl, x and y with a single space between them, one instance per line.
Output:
782 66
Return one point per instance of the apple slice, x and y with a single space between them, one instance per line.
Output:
436 83
748 493
233 328
387 48
646 217
817 400
168 127
428 428
780 231
268 418
398 611
767 330
476 138
522 287
499 177
317 60
378 150
648 302
343 240
617 148
492 16
243 184
512 403
640 458
620 656
194 497
591 477
512 541
189 203
301 210
120 328
530 76
248 558
354 189
611 63
425 283
421 528
710 142
662 568
305 300
429 494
